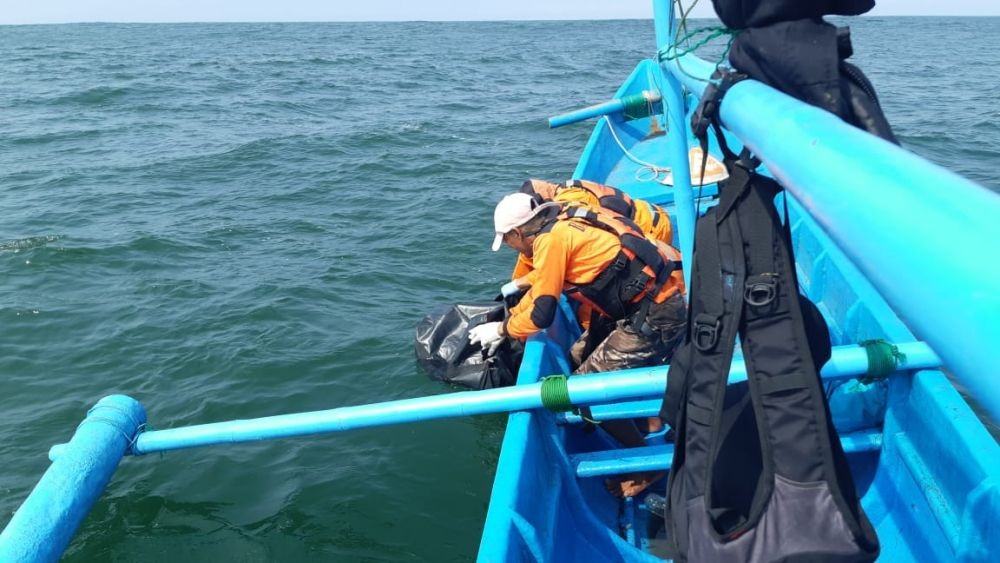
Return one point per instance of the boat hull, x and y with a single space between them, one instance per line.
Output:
929 476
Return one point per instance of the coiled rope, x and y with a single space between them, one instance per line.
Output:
635 106
883 358
647 172
555 397
555 394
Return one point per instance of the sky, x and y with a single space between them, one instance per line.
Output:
65 11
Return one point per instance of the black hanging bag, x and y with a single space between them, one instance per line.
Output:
787 45
758 472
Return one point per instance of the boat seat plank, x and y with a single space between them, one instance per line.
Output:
658 458
627 409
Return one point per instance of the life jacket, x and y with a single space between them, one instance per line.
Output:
610 198
758 472
651 218
638 275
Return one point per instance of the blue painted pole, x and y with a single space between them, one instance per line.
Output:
663 22
612 106
925 237
677 138
45 523
592 389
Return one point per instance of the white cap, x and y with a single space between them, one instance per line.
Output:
514 210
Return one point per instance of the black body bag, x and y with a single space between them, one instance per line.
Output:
445 353
758 472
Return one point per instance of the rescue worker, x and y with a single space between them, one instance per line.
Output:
649 217
607 263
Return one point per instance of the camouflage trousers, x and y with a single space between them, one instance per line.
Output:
628 347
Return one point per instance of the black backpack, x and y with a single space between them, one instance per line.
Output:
758 472
787 45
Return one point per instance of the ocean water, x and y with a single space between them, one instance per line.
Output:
239 220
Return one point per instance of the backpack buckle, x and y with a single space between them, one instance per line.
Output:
620 262
761 290
706 332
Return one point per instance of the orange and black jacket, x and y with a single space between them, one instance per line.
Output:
651 218
582 254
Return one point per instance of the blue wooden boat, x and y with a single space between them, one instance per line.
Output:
925 465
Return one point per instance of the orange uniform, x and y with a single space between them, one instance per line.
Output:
568 256
651 218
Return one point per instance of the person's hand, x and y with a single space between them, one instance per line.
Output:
487 335
509 288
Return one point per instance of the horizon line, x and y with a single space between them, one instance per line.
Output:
508 20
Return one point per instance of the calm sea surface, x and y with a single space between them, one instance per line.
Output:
238 220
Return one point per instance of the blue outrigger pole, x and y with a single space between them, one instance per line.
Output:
917 231
45 523
640 104
925 237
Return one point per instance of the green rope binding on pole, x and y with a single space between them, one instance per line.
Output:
883 359
636 106
555 394
555 397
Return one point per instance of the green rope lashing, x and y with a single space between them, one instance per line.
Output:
636 106
883 359
670 52
555 394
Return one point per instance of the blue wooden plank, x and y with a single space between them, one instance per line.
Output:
657 458
617 411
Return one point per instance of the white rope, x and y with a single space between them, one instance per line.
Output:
646 168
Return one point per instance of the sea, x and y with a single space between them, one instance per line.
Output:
230 221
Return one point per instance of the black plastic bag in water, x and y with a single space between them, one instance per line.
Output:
445 353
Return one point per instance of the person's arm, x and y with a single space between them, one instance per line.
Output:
526 281
538 308
521 279
523 267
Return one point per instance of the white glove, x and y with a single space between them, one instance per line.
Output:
487 335
509 288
